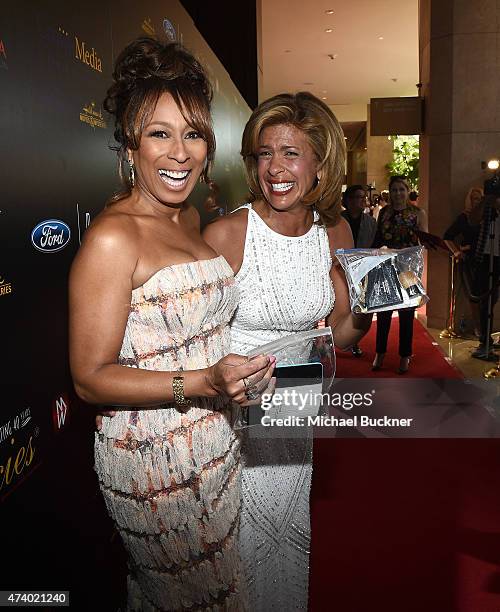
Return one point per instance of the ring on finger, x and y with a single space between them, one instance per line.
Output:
252 393
247 384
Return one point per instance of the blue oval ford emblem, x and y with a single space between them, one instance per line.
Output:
50 236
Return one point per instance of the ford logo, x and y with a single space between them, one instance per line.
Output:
50 236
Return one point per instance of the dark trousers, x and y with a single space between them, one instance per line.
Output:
481 286
406 318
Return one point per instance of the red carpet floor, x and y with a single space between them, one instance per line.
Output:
405 525
428 359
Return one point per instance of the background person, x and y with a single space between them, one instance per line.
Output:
381 203
396 228
488 213
363 226
150 303
280 247
464 250
413 197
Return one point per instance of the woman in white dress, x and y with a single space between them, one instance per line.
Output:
280 247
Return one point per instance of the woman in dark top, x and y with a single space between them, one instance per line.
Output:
397 226
464 227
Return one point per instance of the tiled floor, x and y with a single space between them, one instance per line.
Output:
459 350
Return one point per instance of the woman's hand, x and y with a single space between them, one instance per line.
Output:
234 374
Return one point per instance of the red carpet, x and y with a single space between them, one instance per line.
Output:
405 525
428 359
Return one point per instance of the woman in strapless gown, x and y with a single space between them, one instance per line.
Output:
281 247
150 303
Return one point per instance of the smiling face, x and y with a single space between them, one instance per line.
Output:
171 155
399 194
287 167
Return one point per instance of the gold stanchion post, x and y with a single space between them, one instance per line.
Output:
449 331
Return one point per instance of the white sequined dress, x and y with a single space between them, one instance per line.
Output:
171 479
284 287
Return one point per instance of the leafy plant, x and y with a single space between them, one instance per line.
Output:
406 156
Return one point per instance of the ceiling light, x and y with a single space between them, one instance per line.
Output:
493 164
323 98
381 38
328 30
329 12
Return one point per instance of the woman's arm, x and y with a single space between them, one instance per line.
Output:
100 294
422 221
348 328
226 236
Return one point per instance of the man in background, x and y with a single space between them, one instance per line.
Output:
363 225
485 284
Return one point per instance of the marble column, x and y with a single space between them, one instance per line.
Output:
379 153
460 68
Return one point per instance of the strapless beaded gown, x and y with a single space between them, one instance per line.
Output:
171 480
285 287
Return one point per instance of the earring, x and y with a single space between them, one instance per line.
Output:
201 179
131 175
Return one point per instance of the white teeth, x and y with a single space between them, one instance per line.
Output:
173 174
281 186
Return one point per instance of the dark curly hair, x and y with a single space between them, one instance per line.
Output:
145 70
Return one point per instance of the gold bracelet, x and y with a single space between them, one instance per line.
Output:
178 388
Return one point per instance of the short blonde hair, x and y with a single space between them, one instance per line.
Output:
324 134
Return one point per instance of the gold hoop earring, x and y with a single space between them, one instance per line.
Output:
131 174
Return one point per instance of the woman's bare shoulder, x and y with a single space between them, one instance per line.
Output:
340 235
112 235
230 226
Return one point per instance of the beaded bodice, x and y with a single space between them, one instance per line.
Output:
284 284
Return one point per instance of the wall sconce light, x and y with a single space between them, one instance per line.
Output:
492 164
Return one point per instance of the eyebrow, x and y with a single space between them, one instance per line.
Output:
168 125
165 123
266 146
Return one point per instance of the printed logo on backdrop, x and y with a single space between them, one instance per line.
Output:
3 56
5 287
87 55
17 450
148 27
92 117
169 30
50 236
60 412
83 220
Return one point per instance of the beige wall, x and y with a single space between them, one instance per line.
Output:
460 63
